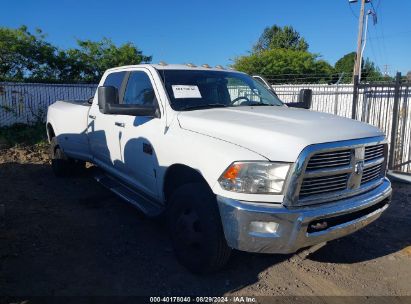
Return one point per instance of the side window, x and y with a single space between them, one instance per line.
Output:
115 80
238 88
139 89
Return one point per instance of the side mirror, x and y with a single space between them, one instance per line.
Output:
108 102
304 100
106 96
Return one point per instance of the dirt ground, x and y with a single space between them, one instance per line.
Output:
73 237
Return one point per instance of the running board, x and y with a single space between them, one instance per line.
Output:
144 204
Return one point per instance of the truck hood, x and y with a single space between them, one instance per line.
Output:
277 133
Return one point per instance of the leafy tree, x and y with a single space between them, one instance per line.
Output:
25 55
281 55
280 37
346 65
29 57
91 59
285 65
370 72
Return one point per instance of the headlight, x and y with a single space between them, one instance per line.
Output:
255 177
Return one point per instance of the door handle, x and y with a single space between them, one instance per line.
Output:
147 148
92 116
120 124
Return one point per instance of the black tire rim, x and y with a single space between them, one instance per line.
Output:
188 230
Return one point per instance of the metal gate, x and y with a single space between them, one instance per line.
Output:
386 106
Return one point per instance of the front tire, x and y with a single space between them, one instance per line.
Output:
196 230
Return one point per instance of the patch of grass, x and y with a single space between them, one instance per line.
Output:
21 134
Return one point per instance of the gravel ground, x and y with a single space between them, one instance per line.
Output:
73 237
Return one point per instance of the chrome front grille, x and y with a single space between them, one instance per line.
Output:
323 184
371 173
330 159
373 152
328 172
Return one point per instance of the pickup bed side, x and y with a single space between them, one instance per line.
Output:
68 122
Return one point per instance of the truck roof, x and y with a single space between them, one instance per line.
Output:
172 67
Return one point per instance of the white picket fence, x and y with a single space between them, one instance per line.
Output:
334 99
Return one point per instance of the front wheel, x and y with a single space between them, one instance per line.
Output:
196 229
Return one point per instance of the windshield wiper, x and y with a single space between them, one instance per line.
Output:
204 106
258 104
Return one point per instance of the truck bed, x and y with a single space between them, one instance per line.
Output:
72 137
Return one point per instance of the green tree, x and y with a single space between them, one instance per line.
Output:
281 55
285 66
29 57
25 55
370 72
280 37
345 64
89 61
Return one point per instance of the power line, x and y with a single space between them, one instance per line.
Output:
398 34
373 52
352 11
300 74
381 57
372 5
378 6
381 29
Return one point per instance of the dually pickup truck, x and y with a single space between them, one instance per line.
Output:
218 156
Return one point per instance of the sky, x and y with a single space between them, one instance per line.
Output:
215 32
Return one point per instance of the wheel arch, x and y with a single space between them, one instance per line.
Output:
178 175
50 131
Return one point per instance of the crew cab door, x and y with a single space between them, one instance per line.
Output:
137 134
102 129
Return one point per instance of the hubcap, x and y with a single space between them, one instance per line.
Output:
188 229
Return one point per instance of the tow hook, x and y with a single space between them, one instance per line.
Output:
319 225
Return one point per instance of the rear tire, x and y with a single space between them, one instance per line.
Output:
196 230
61 164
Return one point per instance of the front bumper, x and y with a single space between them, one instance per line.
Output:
294 225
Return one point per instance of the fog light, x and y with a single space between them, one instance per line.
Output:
264 227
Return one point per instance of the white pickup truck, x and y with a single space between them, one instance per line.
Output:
224 159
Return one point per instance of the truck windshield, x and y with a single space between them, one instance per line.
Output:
201 89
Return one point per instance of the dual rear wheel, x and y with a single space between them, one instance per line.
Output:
62 165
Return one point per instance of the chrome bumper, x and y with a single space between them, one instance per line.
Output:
292 225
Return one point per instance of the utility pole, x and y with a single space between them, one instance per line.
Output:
364 42
357 66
